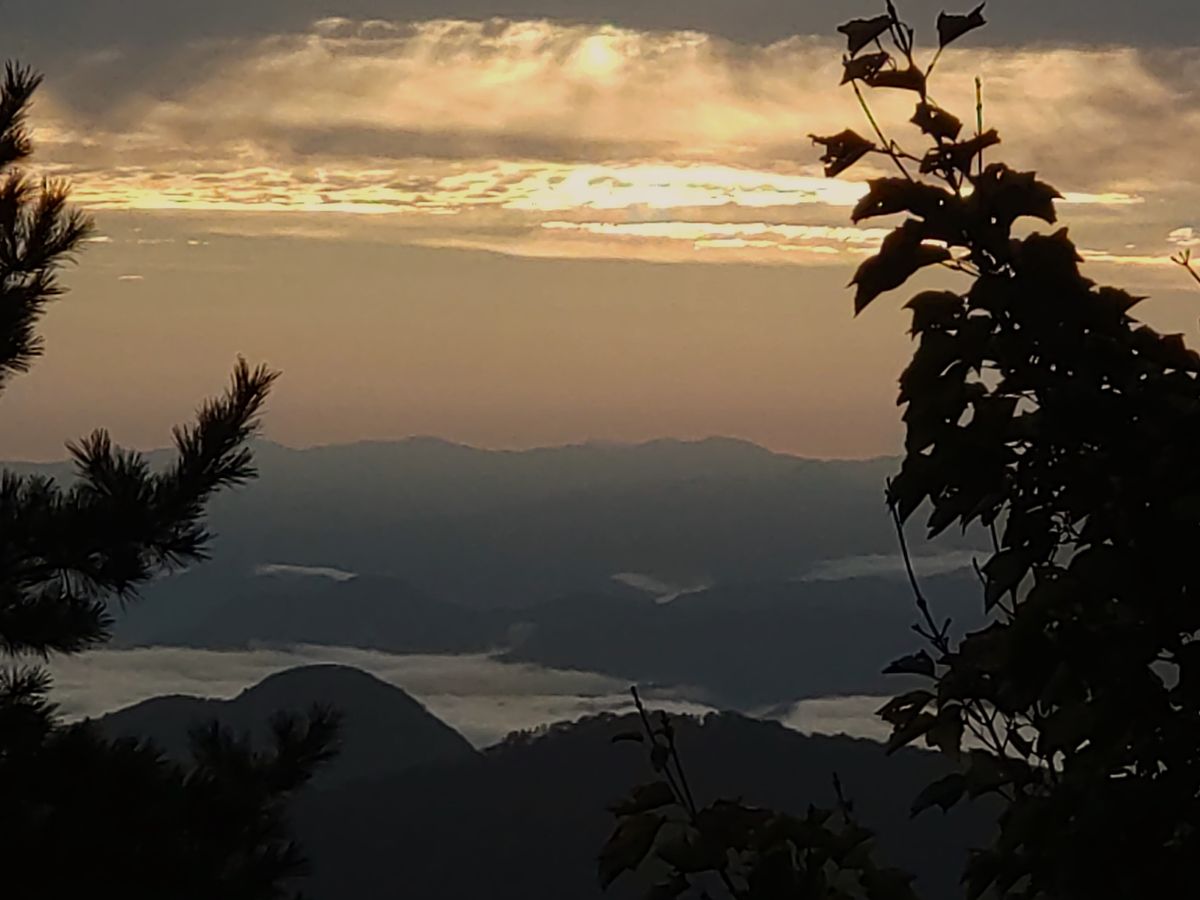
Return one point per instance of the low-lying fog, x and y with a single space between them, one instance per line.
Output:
483 698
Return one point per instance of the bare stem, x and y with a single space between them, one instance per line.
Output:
1184 259
933 62
684 793
939 638
887 146
979 116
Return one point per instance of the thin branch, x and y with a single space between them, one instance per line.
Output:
937 56
652 735
1184 259
940 641
684 794
889 149
979 116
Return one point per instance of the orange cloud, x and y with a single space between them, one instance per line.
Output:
490 133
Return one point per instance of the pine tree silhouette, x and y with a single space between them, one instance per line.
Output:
82 815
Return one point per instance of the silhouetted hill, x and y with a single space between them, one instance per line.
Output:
524 820
385 730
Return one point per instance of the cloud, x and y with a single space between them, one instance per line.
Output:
876 564
853 716
96 30
546 138
483 698
1184 237
281 569
663 591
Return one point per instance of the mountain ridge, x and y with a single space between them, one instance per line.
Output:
384 728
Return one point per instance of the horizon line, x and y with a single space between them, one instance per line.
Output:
584 444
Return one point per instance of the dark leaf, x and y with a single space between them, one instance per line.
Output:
906 707
668 890
1119 301
731 823
860 68
860 32
645 798
1022 746
1066 728
936 122
952 26
981 872
659 757
947 732
910 79
888 884
943 793
935 309
849 839
906 734
1004 571
984 774
958 157
902 255
628 846
920 663
842 150
689 853
886 196
1002 196
908 490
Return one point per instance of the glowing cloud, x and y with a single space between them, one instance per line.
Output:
524 136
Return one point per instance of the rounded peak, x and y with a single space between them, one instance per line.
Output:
325 675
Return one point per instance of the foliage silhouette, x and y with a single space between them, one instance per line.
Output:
84 815
746 851
1039 410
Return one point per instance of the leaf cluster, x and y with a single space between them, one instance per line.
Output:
690 850
1038 410
1040 413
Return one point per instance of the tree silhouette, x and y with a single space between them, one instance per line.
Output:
83 816
1038 409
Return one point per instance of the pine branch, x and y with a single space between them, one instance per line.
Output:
120 524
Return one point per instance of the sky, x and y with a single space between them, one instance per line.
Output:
527 223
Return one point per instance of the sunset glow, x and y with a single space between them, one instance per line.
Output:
412 155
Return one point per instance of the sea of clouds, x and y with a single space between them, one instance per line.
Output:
481 696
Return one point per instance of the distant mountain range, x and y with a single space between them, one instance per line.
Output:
740 646
411 810
489 529
781 571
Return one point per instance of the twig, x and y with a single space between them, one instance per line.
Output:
889 149
1184 259
940 641
933 62
684 794
666 769
979 117
939 637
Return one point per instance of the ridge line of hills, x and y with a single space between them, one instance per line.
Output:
409 800
424 546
